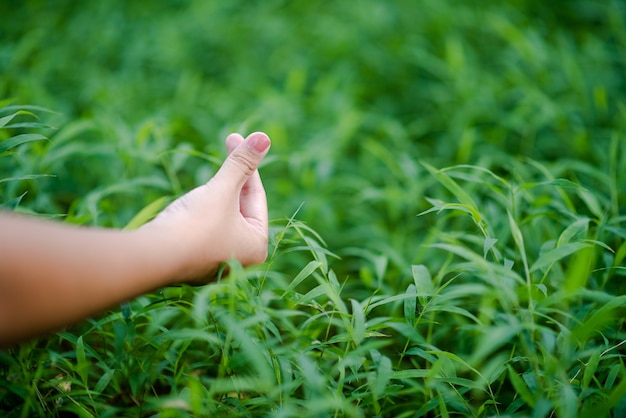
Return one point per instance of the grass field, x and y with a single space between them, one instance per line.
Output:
447 189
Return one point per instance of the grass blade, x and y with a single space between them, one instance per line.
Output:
302 275
19 140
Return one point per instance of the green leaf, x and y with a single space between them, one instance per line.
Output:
452 206
312 294
383 376
550 257
104 381
410 305
488 245
197 392
303 274
603 409
567 402
452 186
313 380
19 140
492 339
252 352
520 387
579 269
389 299
4 121
411 374
480 169
423 282
358 322
82 367
577 228
593 203
12 204
29 108
590 369
542 288
25 177
608 313
456 359
147 213
519 241
442 406
561 183
455 310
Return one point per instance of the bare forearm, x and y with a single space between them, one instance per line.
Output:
52 275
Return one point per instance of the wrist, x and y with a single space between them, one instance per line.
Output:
173 257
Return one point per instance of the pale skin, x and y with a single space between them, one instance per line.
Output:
53 274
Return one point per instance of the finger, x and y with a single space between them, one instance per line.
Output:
233 141
253 202
244 159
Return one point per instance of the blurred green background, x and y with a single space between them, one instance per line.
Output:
353 95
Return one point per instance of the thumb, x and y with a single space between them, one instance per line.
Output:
244 160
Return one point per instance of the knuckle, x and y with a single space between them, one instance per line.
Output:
244 162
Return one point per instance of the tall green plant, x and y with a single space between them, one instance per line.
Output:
17 124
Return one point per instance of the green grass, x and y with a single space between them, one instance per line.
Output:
446 183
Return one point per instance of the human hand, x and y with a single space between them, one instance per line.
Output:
78 272
224 219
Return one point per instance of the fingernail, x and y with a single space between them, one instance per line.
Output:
258 142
